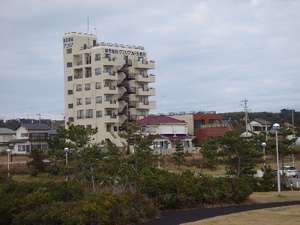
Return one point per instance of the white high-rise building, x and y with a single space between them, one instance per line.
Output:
106 85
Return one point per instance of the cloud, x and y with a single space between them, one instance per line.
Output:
210 54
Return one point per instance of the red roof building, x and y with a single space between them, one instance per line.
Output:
209 125
156 120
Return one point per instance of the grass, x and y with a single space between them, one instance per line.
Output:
276 216
265 197
41 178
15 158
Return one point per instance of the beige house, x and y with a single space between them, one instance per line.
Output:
6 135
106 85
167 131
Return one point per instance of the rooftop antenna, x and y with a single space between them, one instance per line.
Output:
245 103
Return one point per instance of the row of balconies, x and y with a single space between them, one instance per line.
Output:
145 78
113 104
147 64
146 91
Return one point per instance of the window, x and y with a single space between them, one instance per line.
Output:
108 69
98 114
80 114
79 101
69 64
71 119
69 51
89 113
70 78
70 92
98 85
78 87
88 72
88 101
97 57
88 126
87 87
21 148
70 106
98 71
99 99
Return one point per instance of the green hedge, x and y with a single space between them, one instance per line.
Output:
65 204
169 190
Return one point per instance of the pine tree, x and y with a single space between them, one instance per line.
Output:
178 155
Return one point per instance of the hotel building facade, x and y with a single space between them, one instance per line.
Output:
105 85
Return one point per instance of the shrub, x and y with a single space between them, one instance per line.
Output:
170 190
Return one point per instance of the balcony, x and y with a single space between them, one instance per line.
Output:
111 118
146 105
110 90
131 90
146 78
145 64
132 104
111 104
109 61
109 76
132 97
146 91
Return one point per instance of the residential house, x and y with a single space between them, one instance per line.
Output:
6 135
167 131
257 126
204 125
29 137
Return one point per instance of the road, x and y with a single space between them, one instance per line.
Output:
175 217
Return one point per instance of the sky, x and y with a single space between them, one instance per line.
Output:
210 54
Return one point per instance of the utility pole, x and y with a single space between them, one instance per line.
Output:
245 105
293 121
294 135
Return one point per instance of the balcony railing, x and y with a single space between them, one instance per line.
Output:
146 91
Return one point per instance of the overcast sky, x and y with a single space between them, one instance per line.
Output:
210 54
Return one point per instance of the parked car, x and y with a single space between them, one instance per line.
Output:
289 171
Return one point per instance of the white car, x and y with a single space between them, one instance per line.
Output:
289 171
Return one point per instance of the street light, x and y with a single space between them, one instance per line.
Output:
263 145
8 162
66 150
276 127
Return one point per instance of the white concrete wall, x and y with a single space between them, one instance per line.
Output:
173 129
20 131
188 118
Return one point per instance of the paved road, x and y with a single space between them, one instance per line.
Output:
175 217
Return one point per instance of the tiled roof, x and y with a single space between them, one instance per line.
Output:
156 120
35 126
4 130
262 121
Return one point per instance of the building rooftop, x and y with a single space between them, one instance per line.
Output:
156 120
35 126
262 121
4 130
80 34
